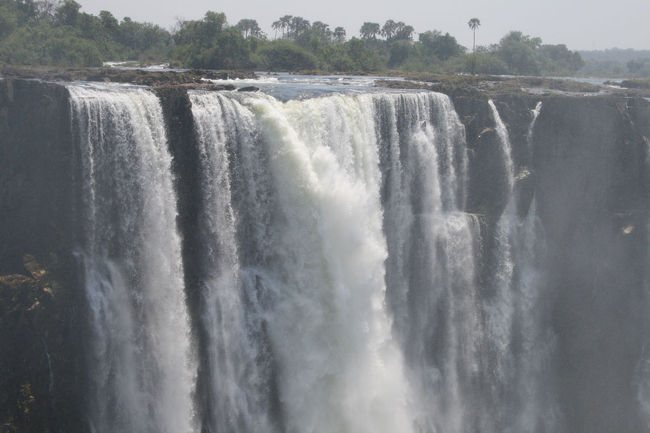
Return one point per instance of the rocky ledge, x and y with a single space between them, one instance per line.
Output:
193 78
499 86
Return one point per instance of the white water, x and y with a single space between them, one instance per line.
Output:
515 311
506 147
141 375
318 287
339 283
357 306
339 368
535 113
538 409
431 270
237 397
499 307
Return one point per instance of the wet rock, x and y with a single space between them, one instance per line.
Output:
133 76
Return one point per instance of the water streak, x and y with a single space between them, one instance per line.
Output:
141 375
238 400
430 268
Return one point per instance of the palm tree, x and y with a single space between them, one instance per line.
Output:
339 35
277 25
370 31
474 24
286 23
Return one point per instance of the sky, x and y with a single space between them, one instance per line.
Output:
580 24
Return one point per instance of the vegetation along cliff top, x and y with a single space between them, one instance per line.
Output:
58 33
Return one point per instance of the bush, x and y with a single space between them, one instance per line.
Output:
480 63
284 55
52 46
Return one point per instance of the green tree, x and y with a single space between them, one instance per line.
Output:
370 31
365 59
388 29
211 44
403 32
249 27
339 35
474 24
559 60
285 22
8 20
443 47
47 45
400 51
277 25
67 13
518 51
298 26
283 55
321 32
110 23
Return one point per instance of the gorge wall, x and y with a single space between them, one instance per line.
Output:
180 260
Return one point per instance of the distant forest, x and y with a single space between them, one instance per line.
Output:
57 33
616 62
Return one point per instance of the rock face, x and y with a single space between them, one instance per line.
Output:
588 170
40 362
38 170
592 172
38 309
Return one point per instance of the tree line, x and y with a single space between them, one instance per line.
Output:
616 62
57 33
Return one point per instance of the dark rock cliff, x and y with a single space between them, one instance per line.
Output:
590 161
589 173
40 318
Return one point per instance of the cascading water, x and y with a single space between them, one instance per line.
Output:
499 306
518 342
355 262
339 367
537 408
357 280
238 396
343 285
141 377
322 279
430 268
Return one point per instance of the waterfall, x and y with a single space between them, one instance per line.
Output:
430 268
531 128
342 285
341 280
339 367
499 306
537 407
141 377
317 291
518 341
238 400
506 147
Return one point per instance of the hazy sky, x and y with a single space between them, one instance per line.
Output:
581 24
